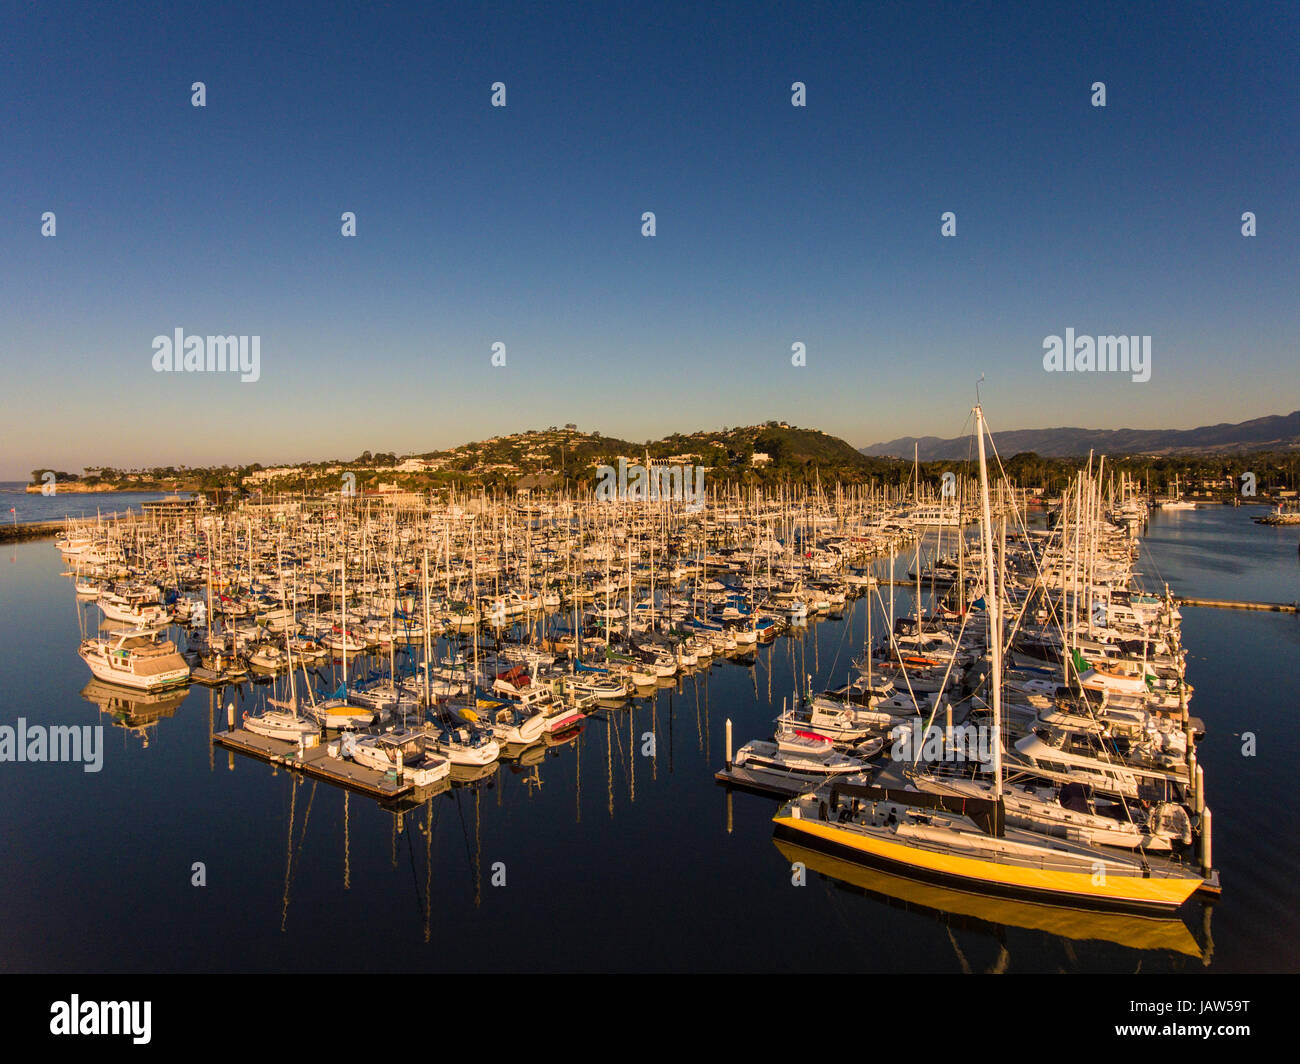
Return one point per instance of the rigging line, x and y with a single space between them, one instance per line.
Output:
844 631
952 660
916 704
1106 753
1033 555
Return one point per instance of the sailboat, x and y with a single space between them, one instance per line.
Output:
964 842
282 720
994 914
336 711
1177 502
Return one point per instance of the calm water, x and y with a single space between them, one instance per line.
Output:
32 507
612 860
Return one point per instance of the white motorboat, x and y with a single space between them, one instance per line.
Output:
463 744
403 752
137 659
801 758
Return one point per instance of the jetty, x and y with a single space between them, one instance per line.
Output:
14 533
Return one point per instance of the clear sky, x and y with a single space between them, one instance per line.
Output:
522 224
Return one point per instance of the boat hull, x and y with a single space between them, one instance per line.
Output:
1076 889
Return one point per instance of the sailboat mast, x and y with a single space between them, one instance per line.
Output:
994 612
343 583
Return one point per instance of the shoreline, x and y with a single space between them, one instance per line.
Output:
74 489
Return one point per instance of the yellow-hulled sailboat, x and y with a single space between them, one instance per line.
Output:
963 842
1162 932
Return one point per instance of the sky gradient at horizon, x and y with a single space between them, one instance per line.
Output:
522 224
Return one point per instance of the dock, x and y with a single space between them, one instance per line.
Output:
316 763
742 779
1226 604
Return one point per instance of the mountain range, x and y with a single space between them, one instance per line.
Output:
1275 432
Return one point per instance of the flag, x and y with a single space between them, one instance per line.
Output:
979 604
1080 664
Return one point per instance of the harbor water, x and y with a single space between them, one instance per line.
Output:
616 851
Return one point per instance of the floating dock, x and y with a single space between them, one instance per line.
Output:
316 763
1225 604
743 780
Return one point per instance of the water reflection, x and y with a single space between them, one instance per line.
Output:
993 916
134 711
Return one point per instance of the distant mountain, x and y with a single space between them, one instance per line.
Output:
1275 432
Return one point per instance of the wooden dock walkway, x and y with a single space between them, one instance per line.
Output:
316 763
1226 604
743 780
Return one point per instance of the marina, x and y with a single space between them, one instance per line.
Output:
654 637
531 490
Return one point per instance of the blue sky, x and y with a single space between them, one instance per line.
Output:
522 224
